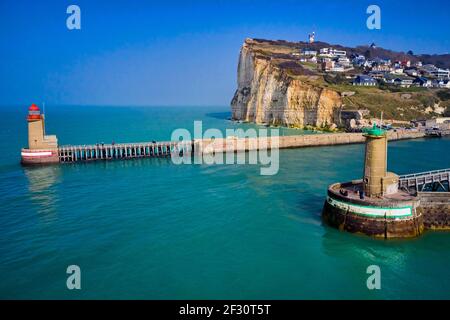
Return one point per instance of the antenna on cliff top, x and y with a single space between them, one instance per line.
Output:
311 37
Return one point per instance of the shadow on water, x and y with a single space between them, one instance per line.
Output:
219 115
395 253
308 210
122 163
41 185
313 206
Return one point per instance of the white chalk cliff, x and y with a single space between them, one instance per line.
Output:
268 93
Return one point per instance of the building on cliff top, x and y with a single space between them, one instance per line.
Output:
364 80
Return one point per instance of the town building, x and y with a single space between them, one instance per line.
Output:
412 72
364 80
397 70
337 68
441 123
405 63
403 82
440 73
309 52
327 65
382 67
358 60
428 68
441 83
381 75
343 61
433 71
368 64
389 78
422 82
380 61
312 59
332 53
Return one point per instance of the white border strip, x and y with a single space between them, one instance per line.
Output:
37 154
376 212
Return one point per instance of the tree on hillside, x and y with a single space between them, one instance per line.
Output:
447 112
410 52
335 79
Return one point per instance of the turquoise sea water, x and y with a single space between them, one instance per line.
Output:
149 229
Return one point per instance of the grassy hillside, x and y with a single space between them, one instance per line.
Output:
406 104
440 60
395 102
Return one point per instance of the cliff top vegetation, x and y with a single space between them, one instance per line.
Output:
395 102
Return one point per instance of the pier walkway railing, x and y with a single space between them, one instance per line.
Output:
419 180
122 151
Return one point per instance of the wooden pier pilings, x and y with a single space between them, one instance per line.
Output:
122 151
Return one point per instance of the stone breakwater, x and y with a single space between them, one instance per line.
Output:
436 208
297 141
385 205
70 153
400 217
407 216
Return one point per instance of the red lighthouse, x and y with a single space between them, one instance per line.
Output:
41 147
34 113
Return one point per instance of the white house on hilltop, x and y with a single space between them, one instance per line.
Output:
364 80
440 73
332 53
309 52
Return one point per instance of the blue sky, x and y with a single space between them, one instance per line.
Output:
180 52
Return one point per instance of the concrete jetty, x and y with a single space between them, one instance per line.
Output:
295 141
77 153
44 149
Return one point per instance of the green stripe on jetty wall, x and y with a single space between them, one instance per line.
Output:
370 211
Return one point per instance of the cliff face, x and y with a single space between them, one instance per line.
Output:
269 93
